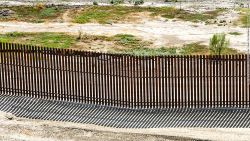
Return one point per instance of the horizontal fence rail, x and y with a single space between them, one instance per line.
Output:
124 80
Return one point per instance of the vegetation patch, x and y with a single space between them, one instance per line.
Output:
113 14
152 51
120 43
101 14
235 33
54 40
194 49
243 20
129 41
35 14
194 17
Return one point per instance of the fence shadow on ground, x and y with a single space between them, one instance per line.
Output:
125 118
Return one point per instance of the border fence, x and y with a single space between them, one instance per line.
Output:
124 80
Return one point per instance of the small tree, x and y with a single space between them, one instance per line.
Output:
218 44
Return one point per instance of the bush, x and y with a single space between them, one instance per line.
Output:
95 3
116 2
138 2
171 0
218 44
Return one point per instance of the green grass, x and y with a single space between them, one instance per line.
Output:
109 14
33 14
53 40
235 33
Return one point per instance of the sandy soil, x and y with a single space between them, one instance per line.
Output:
15 129
161 33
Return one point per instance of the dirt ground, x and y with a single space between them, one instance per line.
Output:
161 32
13 128
21 129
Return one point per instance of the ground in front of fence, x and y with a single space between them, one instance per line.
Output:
94 123
18 129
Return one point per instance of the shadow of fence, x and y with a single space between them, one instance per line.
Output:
125 118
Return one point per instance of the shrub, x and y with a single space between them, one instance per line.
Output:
115 2
234 33
218 44
95 3
171 0
138 2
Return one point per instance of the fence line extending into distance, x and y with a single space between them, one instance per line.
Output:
124 80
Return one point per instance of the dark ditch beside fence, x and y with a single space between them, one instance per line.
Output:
124 80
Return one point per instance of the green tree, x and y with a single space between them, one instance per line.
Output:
218 43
